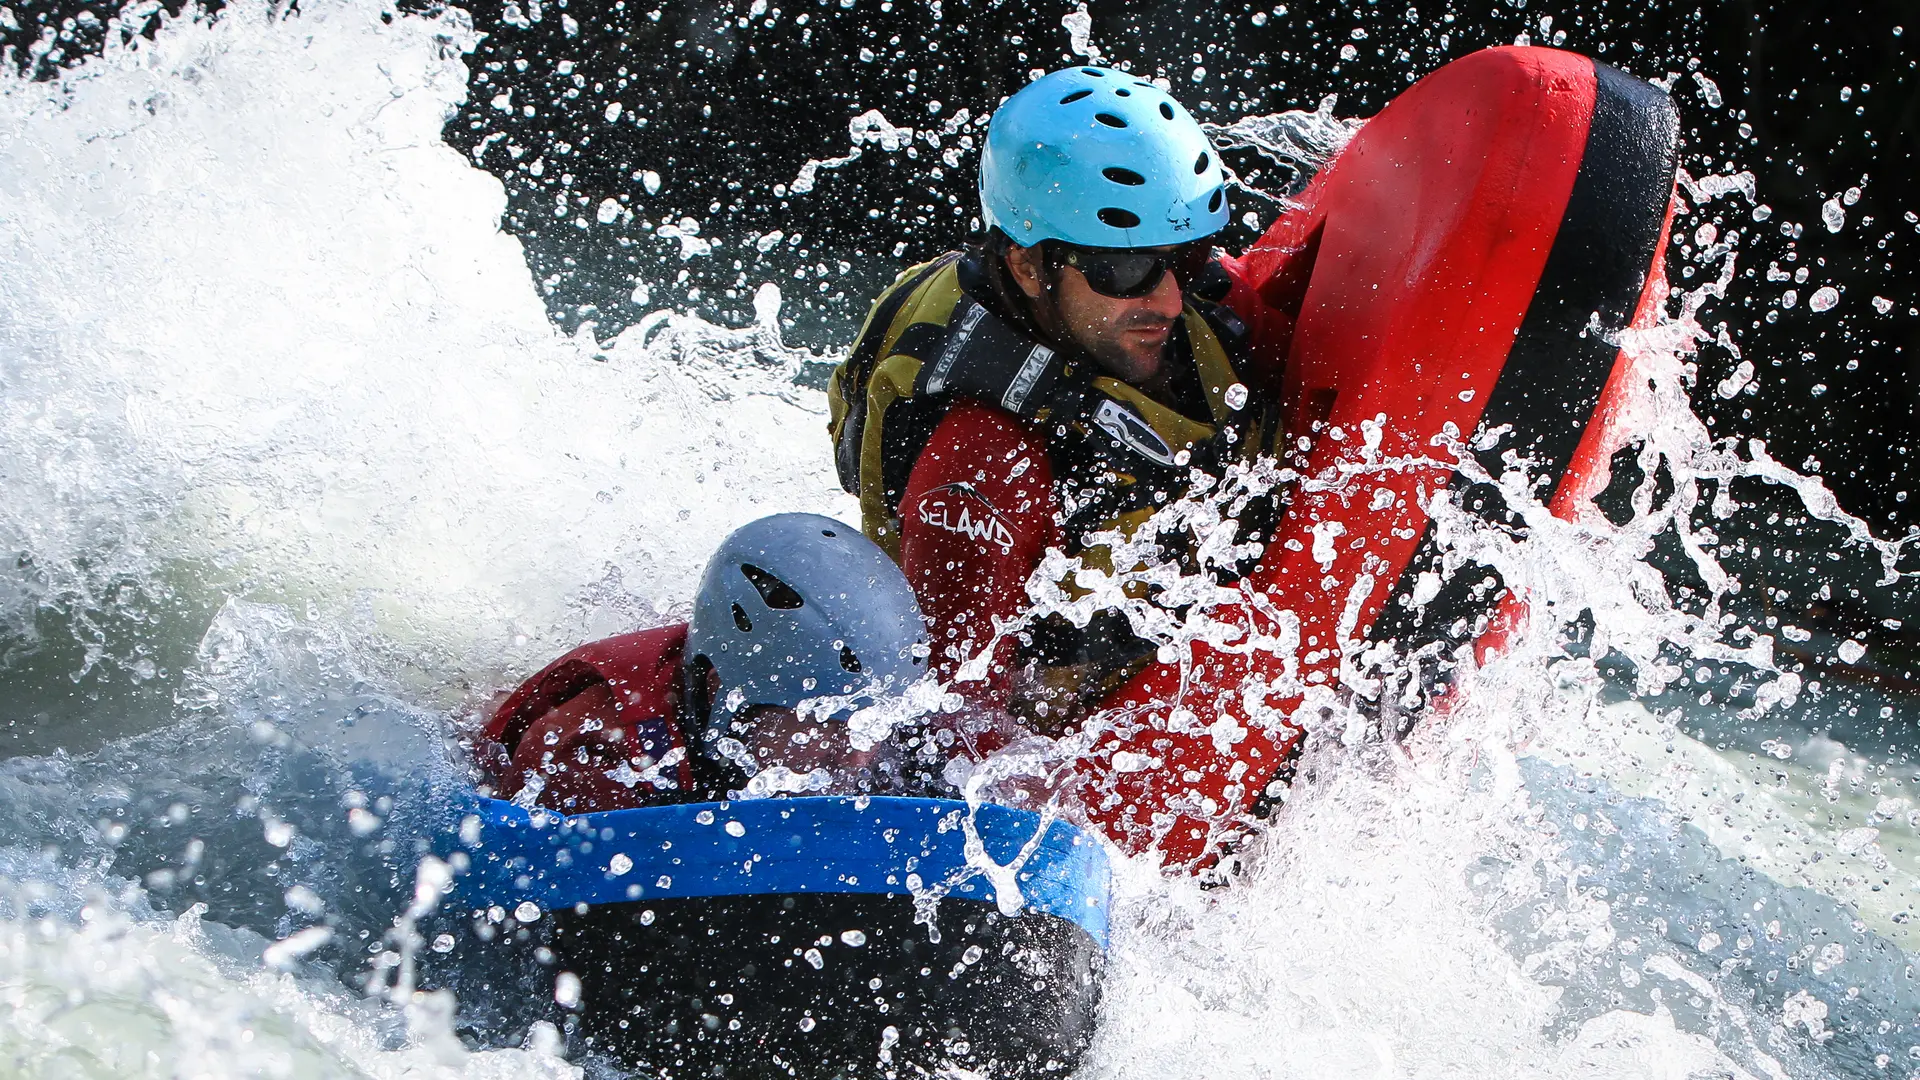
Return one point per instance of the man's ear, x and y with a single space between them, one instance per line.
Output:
1025 267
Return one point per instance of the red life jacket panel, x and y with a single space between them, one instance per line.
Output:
599 728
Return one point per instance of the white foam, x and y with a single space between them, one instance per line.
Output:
258 318
108 994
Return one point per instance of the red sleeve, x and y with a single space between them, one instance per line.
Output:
977 515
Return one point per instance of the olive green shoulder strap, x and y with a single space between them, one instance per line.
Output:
857 369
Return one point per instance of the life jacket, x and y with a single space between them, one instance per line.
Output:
1118 454
598 729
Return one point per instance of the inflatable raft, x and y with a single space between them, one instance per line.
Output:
809 937
1450 280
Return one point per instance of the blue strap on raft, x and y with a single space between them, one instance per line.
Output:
814 844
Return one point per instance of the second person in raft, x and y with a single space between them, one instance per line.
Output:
799 622
1063 375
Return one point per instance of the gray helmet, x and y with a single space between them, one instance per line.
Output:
799 606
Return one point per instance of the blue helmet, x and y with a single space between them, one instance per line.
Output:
799 606
1100 158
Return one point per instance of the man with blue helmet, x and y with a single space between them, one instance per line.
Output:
799 622
1064 376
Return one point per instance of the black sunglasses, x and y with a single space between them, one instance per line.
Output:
1130 273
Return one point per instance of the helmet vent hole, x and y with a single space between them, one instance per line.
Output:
828 533
1075 96
740 619
1095 72
1200 164
1110 120
1213 204
1123 92
1123 176
1119 219
848 660
777 594
1166 110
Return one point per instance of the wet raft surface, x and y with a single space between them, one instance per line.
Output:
767 986
810 937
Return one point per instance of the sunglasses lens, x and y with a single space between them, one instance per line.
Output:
1122 275
1128 275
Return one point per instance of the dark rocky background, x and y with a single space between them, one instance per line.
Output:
720 105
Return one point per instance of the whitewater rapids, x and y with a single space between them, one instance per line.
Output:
286 433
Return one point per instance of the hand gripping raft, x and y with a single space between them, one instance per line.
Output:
1446 276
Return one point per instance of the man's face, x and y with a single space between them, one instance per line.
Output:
1128 338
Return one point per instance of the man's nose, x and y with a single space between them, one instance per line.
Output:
1166 299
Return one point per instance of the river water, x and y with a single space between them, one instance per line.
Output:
297 471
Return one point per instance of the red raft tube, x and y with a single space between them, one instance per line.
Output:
1445 275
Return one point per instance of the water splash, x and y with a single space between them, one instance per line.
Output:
286 413
258 319
1514 820
260 332
1295 139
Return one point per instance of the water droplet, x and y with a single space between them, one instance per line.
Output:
855 938
619 864
1832 215
527 912
1824 298
359 821
1708 89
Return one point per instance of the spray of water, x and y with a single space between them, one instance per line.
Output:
262 341
258 319
1500 849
